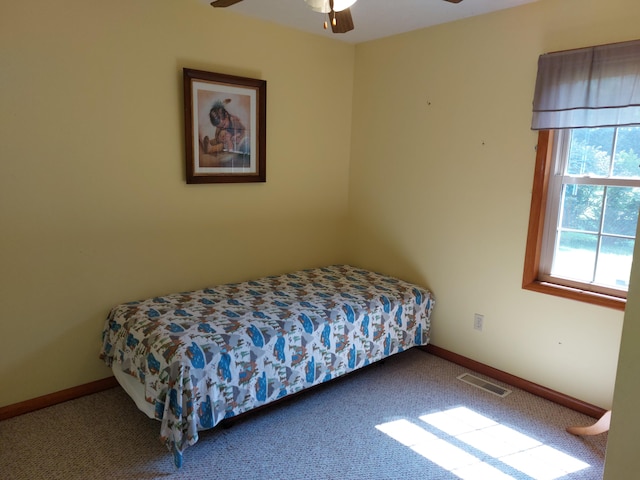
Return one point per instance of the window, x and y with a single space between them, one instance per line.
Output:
590 217
586 192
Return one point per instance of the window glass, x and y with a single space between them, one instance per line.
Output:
614 262
621 211
627 159
575 256
590 151
582 207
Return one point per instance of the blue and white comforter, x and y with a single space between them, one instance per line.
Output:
211 354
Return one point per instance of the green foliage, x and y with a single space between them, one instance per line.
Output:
597 152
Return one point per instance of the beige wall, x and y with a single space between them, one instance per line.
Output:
440 185
623 461
94 209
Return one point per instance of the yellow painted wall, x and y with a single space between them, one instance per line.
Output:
440 185
623 461
94 209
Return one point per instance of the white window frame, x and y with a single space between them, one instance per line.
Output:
557 179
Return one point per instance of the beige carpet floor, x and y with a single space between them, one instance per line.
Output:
406 418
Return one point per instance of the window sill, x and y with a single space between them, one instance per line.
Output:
576 294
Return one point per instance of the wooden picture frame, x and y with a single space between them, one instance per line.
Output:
225 127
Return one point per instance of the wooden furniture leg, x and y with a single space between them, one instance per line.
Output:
600 426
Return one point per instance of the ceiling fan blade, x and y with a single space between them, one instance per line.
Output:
453 1
224 3
343 21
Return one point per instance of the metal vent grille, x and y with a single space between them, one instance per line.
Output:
484 385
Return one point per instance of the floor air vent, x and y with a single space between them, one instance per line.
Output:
484 385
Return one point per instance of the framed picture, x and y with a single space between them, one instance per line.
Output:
225 127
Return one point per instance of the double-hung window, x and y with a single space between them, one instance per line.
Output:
592 209
586 191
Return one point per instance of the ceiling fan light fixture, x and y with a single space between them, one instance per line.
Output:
320 6
324 6
339 5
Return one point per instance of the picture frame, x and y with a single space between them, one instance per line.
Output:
225 127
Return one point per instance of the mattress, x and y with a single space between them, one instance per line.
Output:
134 389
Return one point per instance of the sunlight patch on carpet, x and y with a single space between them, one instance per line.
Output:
472 446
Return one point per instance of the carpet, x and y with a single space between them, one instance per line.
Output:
405 417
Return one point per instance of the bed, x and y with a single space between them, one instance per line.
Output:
194 359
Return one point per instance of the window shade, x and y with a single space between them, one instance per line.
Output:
588 87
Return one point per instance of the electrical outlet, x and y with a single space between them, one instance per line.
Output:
478 321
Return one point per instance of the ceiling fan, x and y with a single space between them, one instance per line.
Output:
338 11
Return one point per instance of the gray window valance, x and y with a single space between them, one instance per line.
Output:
588 87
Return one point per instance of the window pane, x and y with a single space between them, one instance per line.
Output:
621 211
614 262
590 151
582 207
627 159
575 256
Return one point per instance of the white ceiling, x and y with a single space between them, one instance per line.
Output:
372 18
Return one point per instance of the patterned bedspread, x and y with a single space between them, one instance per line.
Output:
211 354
